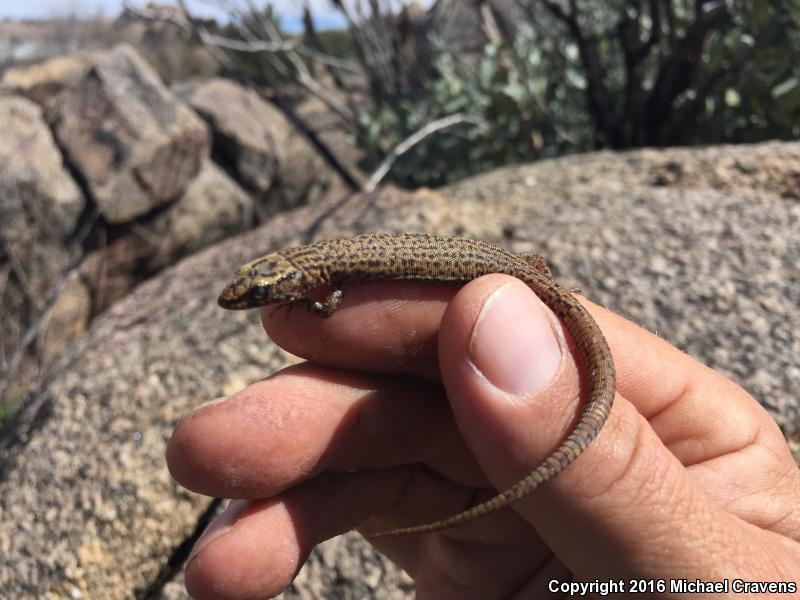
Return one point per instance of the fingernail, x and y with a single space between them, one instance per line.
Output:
513 343
219 526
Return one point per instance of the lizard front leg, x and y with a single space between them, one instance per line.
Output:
327 306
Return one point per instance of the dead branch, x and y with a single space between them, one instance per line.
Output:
303 76
375 46
34 330
243 46
272 47
414 139
315 44
5 272
489 23
222 58
257 46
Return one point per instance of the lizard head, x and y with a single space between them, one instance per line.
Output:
272 279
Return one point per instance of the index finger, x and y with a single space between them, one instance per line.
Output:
381 327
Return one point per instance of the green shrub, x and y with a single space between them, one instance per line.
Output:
609 76
505 88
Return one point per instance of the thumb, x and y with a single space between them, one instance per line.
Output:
626 505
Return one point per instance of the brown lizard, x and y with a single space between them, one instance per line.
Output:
291 277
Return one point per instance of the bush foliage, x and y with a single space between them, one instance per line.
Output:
604 75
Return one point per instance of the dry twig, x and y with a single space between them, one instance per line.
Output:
414 139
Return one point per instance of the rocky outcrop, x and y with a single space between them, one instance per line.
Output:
212 208
43 81
334 133
103 124
140 155
44 198
86 502
255 141
249 134
135 145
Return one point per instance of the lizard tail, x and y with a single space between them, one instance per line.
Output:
593 350
552 466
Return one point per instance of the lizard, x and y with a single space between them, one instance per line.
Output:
294 277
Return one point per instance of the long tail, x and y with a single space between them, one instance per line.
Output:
596 358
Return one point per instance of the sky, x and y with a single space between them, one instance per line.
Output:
290 11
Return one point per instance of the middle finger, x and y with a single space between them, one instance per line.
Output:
308 419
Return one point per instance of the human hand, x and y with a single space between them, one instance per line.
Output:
689 479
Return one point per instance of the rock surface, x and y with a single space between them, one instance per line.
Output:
43 81
39 210
46 200
137 173
707 259
333 132
249 134
135 145
255 141
99 104
212 208
69 317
